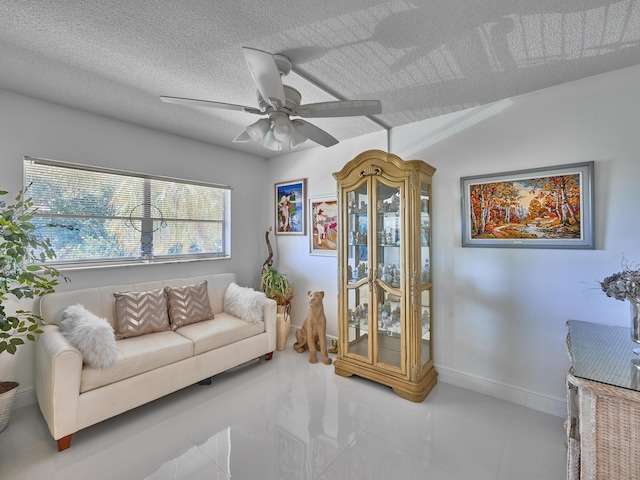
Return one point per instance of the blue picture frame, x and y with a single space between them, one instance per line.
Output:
289 207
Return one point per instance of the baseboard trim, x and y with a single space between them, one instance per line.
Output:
526 398
24 398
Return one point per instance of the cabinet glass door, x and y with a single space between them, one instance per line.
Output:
425 242
357 260
389 273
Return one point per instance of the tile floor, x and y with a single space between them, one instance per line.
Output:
288 419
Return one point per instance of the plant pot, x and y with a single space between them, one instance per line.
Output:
283 328
8 392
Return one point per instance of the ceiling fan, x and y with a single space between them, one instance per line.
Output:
278 131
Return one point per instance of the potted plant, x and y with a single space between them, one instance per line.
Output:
22 253
276 286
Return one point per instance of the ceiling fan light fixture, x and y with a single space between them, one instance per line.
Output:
258 130
283 129
271 143
296 138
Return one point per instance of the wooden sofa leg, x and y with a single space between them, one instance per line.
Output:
268 356
206 381
64 443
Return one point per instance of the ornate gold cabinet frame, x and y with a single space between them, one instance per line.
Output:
384 276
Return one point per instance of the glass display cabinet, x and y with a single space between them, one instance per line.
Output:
384 277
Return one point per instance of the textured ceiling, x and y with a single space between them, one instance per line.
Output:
420 58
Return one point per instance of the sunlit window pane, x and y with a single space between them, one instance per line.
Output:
93 215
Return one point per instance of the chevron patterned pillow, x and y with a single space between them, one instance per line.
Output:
188 304
138 313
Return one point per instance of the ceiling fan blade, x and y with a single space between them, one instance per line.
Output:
242 138
206 103
343 108
314 133
266 76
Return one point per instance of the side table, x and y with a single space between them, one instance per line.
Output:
603 403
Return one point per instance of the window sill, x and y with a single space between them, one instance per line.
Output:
69 267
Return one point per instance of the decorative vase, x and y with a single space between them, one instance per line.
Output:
283 328
635 324
8 392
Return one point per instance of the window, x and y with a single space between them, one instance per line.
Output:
98 216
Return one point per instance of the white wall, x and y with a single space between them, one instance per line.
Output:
291 253
39 129
499 314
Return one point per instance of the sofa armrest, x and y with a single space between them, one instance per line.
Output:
58 369
269 316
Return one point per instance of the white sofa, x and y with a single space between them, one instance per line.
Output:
73 396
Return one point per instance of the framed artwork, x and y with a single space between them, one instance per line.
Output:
323 225
548 207
290 198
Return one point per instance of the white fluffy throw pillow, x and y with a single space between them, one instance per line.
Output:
90 334
244 303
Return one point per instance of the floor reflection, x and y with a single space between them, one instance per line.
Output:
291 420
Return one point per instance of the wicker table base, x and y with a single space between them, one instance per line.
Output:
603 431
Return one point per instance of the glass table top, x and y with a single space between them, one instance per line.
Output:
604 354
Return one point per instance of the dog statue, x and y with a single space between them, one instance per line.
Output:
312 335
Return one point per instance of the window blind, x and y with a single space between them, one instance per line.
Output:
98 215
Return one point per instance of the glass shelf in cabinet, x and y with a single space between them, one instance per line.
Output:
358 211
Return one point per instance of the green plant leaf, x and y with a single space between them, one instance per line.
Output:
20 248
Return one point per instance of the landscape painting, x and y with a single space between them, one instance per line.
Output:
541 208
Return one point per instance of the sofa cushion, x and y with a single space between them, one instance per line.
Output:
139 313
188 304
223 330
137 355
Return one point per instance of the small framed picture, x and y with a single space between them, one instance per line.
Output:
290 198
323 225
549 207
